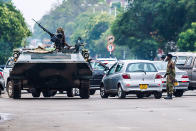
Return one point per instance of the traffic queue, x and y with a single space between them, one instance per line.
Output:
143 78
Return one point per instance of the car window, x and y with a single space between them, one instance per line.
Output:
189 61
174 58
97 66
10 63
181 60
119 67
112 70
139 67
195 62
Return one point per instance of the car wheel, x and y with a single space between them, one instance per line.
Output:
158 95
140 95
178 93
103 94
121 93
9 89
92 92
36 93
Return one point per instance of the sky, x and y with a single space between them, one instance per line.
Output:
34 9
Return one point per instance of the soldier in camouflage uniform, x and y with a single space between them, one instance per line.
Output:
170 76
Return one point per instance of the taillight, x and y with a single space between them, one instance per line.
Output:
185 76
158 76
163 81
126 76
1 74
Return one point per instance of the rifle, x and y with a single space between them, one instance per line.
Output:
44 29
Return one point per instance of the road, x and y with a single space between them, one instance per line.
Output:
96 114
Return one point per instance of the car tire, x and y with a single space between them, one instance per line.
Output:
36 93
140 95
92 92
121 93
84 89
158 95
9 88
0 91
103 94
178 93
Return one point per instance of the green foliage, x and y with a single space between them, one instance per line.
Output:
13 30
158 21
187 39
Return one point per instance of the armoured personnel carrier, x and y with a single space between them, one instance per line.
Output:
44 71
50 70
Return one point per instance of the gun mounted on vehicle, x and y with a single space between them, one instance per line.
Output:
56 38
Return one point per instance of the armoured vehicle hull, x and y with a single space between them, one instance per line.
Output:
49 73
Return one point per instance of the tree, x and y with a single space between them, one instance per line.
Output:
187 39
13 30
158 21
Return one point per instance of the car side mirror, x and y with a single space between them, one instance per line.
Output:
106 68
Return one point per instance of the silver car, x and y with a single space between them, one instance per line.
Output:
182 79
138 77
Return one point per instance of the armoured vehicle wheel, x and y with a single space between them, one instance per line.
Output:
103 94
46 93
140 95
121 93
178 93
158 95
84 89
9 88
16 91
92 92
36 93
70 93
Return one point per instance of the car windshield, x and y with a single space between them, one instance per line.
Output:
162 65
97 66
141 67
181 60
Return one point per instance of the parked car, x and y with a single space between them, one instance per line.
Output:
190 68
180 58
2 83
138 77
182 79
98 70
6 73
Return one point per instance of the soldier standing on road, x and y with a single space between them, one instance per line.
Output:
170 73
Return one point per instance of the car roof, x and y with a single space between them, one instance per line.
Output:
135 61
182 53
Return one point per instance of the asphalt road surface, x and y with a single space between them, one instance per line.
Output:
95 114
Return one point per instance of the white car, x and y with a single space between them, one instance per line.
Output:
6 72
182 83
138 77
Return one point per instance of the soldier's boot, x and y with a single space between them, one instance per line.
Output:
169 96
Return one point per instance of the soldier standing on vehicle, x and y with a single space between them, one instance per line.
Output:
61 36
170 73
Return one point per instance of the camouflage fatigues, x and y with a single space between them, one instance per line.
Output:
170 76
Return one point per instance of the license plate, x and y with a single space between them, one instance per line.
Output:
143 86
176 84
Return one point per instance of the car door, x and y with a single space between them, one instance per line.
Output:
6 70
194 73
115 77
107 79
189 67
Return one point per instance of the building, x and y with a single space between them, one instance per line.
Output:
122 2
